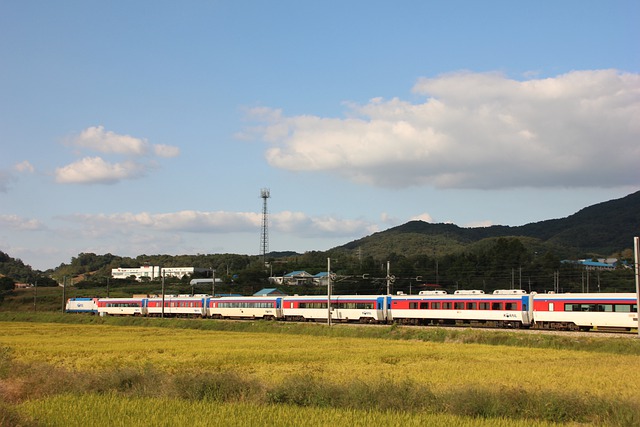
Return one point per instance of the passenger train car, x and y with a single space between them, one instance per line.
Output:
265 307
177 306
586 311
344 308
121 306
502 308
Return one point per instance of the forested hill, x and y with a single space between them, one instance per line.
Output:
602 229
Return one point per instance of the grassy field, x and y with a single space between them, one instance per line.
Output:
260 373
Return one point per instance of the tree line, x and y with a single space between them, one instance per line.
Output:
502 263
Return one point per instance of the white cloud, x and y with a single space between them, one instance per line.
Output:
162 150
96 138
95 170
475 130
16 222
296 223
423 217
24 166
91 170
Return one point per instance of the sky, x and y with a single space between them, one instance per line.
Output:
150 127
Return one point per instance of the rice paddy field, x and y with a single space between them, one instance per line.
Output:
175 372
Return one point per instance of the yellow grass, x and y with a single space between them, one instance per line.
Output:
272 357
112 410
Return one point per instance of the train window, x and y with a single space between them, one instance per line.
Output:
435 305
580 307
623 308
413 305
605 307
313 305
459 306
496 306
471 305
446 305
424 305
510 306
484 306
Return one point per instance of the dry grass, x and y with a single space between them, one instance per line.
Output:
40 361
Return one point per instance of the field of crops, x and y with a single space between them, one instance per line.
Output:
75 374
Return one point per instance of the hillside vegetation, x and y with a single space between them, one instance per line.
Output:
600 230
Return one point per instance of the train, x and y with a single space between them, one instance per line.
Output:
508 308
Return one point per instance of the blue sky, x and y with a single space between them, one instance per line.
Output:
147 127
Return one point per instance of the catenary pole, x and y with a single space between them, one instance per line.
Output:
329 291
162 295
636 250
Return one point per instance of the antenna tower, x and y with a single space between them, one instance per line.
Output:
264 235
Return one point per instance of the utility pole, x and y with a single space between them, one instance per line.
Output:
636 245
389 278
213 282
162 295
328 291
64 288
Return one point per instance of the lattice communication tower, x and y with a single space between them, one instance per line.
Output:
264 235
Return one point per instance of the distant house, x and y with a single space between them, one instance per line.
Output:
597 265
294 278
320 279
269 292
601 264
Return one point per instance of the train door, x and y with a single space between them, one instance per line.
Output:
527 314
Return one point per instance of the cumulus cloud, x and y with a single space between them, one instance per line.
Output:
92 170
16 222
96 138
96 170
475 130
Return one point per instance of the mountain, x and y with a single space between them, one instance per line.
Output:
602 229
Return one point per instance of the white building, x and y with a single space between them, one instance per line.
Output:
180 272
150 271
154 272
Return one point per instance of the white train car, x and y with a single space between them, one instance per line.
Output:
503 308
344 308
82 305
255 307
122 306
586 311
178 306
